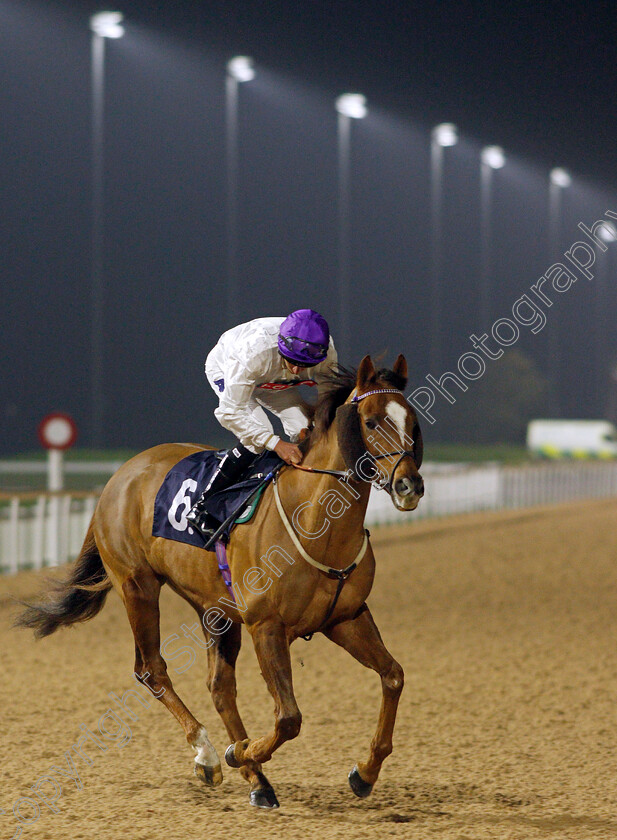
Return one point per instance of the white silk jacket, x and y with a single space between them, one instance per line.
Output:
247 373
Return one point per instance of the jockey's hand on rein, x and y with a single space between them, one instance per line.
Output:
289 452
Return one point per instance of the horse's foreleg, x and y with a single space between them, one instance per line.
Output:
222 655
272 649
141 599
360 637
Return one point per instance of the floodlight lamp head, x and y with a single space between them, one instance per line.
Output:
352 105
560 177
445 134
493 156
607 232
107 24
241 68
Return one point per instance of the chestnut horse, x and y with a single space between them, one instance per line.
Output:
359 421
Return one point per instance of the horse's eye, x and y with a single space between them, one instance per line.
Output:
370 424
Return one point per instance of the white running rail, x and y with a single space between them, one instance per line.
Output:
42 529
46 529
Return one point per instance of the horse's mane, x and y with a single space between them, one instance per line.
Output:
338 385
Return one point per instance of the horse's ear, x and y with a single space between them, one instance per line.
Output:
400 367
365 372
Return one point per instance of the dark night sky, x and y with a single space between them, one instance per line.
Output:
539 79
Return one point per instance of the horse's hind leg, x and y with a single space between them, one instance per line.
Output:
360 637
222 655
141 599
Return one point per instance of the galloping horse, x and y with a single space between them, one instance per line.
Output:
357 424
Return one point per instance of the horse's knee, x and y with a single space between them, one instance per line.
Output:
394 679
289 725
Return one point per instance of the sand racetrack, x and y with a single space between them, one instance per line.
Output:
505 625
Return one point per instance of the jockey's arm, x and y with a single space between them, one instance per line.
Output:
237 409
289 407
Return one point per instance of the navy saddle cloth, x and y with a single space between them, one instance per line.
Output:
186 481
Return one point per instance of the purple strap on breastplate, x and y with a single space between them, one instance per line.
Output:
221 556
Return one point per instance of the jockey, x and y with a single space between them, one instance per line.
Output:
259 365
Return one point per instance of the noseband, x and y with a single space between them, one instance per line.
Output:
404 453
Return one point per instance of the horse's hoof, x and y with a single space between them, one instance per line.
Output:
264 798
211 776
230 756
358 785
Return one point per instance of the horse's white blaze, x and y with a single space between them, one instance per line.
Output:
206 754
397 413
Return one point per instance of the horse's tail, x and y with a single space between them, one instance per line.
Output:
78 597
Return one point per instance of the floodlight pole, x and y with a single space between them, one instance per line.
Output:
239 69
442 135
436 202
231 100
98 106
604 276
344 137
103 25
348 106
492 158
559 180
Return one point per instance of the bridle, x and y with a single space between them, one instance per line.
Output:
403 453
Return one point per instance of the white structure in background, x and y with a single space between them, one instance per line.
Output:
57 432
449 489
572 438
464 488
26 518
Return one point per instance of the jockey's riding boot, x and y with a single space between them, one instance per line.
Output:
231 467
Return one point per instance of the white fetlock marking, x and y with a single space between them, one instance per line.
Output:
206 754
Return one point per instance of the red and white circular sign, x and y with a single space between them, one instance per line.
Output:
57 431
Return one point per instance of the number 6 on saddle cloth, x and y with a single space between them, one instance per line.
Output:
184 484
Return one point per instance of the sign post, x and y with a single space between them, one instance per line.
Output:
57 432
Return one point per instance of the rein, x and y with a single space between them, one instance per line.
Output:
338 473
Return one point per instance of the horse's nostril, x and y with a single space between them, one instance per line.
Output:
403 486
420 489
406 486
